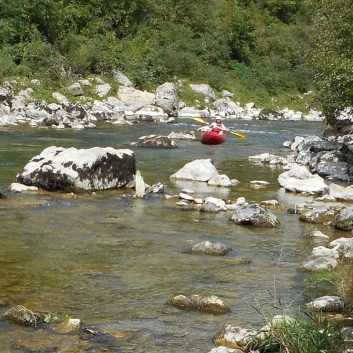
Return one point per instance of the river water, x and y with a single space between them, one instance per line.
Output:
114 261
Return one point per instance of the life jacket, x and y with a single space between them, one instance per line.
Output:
218 127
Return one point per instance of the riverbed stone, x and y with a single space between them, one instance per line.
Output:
197 170
184 135
220 180
222 349
17 187
340 192
210 305
255 215
318 263
208 248
327 303
235 337
23 316
57 168
213 204
344 220
316 234
154 141
343 247
322 215
298 179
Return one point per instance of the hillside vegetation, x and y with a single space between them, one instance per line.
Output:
257 49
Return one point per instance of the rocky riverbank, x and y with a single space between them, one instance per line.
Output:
125 106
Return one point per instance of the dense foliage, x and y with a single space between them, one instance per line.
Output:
332 56
254 48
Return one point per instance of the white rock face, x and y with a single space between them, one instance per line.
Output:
57 168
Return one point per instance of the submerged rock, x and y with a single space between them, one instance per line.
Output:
154 141
24 316
211 305
206 247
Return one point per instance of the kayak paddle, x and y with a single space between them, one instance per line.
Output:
238 134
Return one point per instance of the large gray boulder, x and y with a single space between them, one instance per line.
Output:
57 168
255 215
167 98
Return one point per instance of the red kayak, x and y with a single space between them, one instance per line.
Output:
213 138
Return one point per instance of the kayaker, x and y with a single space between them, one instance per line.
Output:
218 126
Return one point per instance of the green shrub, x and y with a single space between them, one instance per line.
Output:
7 66
299 330
317 334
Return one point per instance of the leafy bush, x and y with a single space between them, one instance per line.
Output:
7 66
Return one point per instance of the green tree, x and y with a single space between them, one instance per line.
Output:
332 56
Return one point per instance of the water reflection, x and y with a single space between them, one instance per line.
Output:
114 261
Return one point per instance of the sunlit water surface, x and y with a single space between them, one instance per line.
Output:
114 261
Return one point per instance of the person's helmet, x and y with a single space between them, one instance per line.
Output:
218 117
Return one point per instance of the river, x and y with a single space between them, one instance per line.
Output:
114 261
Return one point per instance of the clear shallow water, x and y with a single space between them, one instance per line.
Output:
114 262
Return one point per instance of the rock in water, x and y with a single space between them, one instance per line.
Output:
57 168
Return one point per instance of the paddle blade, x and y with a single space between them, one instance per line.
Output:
239 134
201 120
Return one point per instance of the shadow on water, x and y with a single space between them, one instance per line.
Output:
114 261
